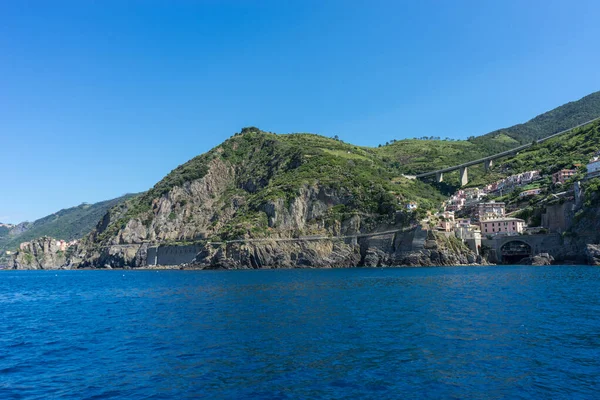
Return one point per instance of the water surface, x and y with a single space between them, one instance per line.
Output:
464 332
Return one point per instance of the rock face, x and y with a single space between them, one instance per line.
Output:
593 254
539 260
395 249
42 253
260 201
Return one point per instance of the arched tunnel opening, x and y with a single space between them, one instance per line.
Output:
515 251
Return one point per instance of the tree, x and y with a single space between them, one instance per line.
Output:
249 129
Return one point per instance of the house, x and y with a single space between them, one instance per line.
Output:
489 210
454 207
529 176
563 175
447 215
593 168
445 226
411 206
471 237
506 226
463 223
530 192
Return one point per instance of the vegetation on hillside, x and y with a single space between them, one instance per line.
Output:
414 156
270 167
280 165
571 150
4 230
546 124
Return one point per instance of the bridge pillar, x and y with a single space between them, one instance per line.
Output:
439 177
463 176
488 164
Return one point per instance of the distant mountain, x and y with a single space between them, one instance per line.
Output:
5 229
68 224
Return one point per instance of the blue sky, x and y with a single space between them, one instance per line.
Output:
101 98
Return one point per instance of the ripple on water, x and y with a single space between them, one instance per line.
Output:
498 332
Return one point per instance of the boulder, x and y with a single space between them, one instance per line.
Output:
592 253
538 260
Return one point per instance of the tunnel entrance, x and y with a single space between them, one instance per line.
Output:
515 251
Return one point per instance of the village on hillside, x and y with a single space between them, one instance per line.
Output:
472 216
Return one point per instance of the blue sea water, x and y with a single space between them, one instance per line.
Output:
461 332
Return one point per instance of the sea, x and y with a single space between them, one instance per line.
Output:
506 332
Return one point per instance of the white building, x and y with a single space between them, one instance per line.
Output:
593 168
412 206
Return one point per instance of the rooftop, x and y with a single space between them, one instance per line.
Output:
503 219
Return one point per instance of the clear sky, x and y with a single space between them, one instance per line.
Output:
101 98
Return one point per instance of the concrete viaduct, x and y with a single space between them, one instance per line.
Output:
488 161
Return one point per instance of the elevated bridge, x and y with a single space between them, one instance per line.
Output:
489 160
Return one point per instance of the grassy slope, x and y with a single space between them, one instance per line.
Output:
575 147
556 120
412 156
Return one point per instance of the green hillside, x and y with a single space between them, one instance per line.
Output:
566 151
546 124
256 168
414 156
4 231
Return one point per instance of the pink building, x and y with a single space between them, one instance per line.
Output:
502 225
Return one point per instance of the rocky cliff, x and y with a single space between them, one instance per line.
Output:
402 248
41 253
259 200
